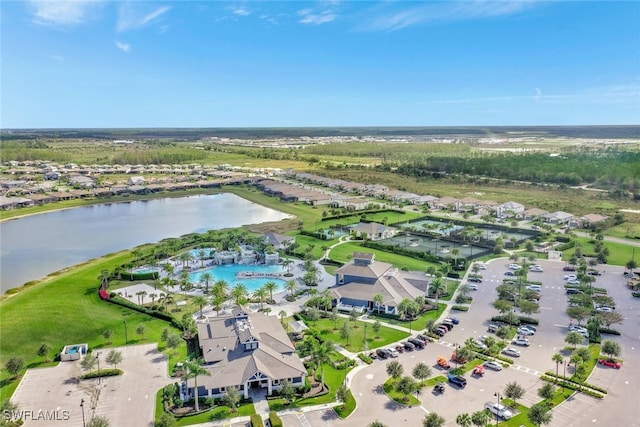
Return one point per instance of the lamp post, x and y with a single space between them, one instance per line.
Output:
126 340
98 359
82 408
564 373
497 394
365 332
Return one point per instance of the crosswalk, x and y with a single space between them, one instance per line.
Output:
302 418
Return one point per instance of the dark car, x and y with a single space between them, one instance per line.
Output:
455 320
400 348
382 353
425 339
509 273
569 268
474 280
408 346
594 273
440 332
573 291
458 380
439 388
418 343
449 326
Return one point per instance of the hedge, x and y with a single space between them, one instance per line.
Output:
274 419
366 359
153 275
587 389
115 299
460 308
609 331
102 373
256 421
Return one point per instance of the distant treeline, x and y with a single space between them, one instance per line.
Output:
274 132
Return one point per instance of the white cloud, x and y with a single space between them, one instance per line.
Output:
131 18
240 11
309 17
393 19
125 47
61 14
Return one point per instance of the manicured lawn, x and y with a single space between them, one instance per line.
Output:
217 413
66 309
389 388
333 378
626 230
344 253
345 409
418 324
619 254
385 336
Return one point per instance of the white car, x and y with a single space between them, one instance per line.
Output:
536 268
511 352
392 352
514 267
605 309
499 410
479 344
493 365
522 341
577 328
525 331
481 266
570 277
573 282
473 286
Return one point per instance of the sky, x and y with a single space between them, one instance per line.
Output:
123 64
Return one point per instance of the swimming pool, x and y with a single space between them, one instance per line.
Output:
208 253
228 273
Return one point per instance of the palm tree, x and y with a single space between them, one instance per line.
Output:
239 294
321 355
220 288
378 299
104 278
291 286
200 301
260 294
282 314
463 420
202 254
169 268
167 299
206 278
286 264
271 287
194 369
142 295
437 286
558 359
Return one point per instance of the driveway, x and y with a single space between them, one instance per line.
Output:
126 400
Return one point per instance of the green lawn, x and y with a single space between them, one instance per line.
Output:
65 309
345 409
385 336
619 254
345 251
389 388
418 324
333 378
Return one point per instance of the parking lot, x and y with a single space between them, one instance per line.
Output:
126 400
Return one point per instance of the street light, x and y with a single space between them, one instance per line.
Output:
98 359
365 332
82 407
498 409
126 341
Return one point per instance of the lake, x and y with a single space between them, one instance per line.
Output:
35 246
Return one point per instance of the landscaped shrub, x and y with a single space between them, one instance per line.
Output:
256 421
274 419
102 373
609 331
366 359
460 308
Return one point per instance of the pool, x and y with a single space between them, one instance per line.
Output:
73 350
228 273
145 270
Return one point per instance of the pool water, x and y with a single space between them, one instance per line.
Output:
228 273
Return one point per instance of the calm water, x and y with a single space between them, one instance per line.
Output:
35 246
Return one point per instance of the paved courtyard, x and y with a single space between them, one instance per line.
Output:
126 400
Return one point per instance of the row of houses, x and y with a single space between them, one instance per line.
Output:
507 210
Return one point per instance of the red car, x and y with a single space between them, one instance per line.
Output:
610 362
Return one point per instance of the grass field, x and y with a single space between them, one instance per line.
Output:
619 254
345 251
66 309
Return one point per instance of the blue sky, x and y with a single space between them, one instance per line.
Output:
318 63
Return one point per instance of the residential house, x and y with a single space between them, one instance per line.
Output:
591 220
510 210
557 217
247 351
533 214
373 230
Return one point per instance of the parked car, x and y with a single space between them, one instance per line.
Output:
392 352
499 409
478 371
408 346
474 280
536 268
509 273
424 338
573 291
604 309
400 348
453 320
578 328
479 344
515 267
382 353
573 282
439 388
536 288
570 277
373 355
418 343
610 362
443 363
594 273
530 327
493 365
511 352
440 332
449 326
481 266
473 287
525 331
522 341
458 380
569 268
492 327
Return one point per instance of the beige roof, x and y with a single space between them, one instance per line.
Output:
373 270
230 364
